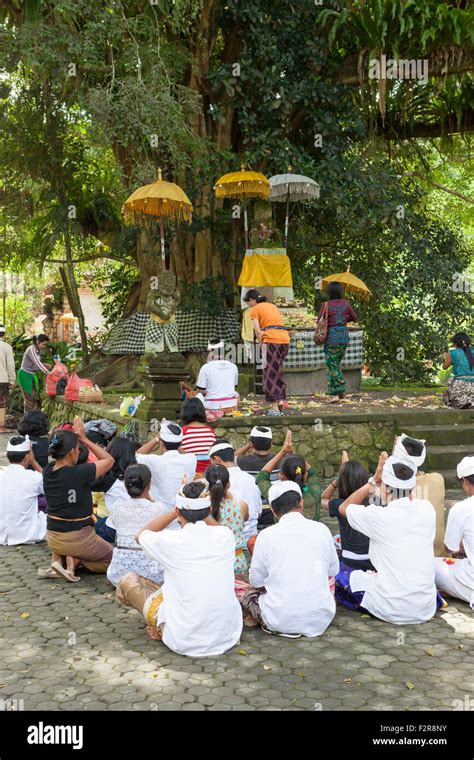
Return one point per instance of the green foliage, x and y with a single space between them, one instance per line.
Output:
210 296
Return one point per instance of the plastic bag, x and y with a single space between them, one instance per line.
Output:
127 404
59 372
72 388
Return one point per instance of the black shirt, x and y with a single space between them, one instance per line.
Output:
40 445
351 540
68 495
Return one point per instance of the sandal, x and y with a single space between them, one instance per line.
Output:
66 574
50 572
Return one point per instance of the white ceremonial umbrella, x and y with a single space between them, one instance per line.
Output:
292 187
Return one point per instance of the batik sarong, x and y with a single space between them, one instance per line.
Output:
459 393
334 355
84 544
274 359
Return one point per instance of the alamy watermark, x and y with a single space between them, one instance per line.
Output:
399 68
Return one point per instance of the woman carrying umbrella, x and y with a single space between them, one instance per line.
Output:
268 326
339 313
28 374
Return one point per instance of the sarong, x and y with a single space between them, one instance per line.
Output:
84 544
29 385
4 391
133 590
353 599
249 596
334 356
459 393
274 359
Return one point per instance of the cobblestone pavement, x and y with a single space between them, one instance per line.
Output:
71 647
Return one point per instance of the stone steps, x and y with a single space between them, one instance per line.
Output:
456 434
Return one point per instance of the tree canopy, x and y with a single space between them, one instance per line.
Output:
97 94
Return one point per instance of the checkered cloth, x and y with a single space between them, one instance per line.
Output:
305 354
195 330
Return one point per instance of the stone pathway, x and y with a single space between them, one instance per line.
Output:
71 647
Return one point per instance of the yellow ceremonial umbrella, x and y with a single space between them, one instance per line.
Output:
243 184
350 282
160 200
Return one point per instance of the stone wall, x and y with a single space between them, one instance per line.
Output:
320 441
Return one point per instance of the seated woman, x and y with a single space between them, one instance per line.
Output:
35 425
354 545
225 510
122 450
295 468
67 487
129 517
198 436
460 391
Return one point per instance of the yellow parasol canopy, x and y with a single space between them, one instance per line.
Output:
160 199
350 282
242 184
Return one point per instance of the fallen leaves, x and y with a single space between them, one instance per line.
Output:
25 615
410 685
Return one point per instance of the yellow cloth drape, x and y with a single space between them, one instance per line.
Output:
247 326
270 269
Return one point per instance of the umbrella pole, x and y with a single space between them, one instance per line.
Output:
162 237
246 226
286 218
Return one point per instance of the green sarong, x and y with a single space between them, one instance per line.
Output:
28 383
334 356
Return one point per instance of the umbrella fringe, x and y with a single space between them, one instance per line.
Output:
249 190
150 212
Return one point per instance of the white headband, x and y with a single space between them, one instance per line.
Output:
465 467
401 452
200 397
167 435
265 432
214 346
219 447
184 502
24 446
391 480
281 487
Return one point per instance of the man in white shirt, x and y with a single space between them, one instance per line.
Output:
169 468
429 485
218 379
242 485
195 612
401 532
7 376
291 566
455 577
20 521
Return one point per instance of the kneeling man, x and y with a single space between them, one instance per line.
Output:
455 577
401 533
291 568
195 612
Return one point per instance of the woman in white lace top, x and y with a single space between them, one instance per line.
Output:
129 517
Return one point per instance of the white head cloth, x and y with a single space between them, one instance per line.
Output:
391 480
215 346
401 452
465 467
25 446
167 435
219 447
263 432
203 502
200 397
281 487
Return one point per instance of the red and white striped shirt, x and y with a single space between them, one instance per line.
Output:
198 439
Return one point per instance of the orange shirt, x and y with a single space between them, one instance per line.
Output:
268 314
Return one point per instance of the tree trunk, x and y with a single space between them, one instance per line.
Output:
70 286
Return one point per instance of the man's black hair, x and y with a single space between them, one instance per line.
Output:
261 444
195 515
470 479
286 502
227 455
16 457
